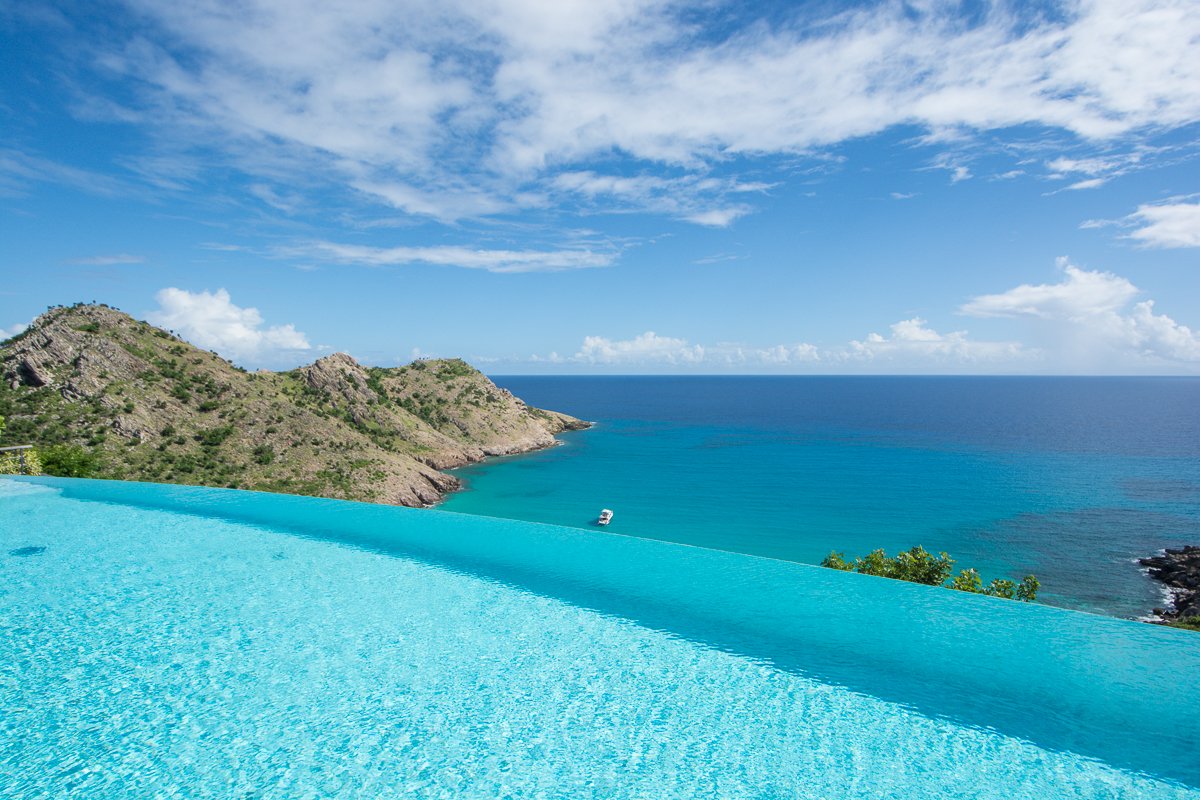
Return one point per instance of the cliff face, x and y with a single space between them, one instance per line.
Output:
153 407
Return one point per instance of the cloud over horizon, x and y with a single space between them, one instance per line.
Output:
914 342
1093 309
1088 320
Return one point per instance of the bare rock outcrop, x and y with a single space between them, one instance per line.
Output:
1179 571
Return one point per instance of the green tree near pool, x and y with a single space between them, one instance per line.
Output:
69 461
63 460
918 565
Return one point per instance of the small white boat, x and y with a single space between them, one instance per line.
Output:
605 517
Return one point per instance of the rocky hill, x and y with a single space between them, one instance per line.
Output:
137 403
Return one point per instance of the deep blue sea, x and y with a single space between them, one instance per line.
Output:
1071 479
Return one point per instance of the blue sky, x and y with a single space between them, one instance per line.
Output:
629 186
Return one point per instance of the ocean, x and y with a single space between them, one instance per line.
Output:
1071 479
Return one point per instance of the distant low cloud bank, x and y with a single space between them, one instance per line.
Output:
1089 321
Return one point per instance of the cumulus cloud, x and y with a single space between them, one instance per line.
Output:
1167 225
1095 308
211 320
12 330
914 342
1080 294
1159 335
464 108
648 347
453 256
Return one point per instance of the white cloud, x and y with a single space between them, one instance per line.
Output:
1091 166
108 261
912 345
285 203
1159 335
18 169
211 320
1092 172
12 330
1090 183
1087 166
1090 312
460 108
780 354
1167 225
695 198
441 203
913 342
718 217
1088 322
717 258
454 256
1081 294
649 347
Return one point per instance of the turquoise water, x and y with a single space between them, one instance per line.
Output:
1072 479
172 641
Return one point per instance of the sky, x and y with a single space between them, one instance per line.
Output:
632 186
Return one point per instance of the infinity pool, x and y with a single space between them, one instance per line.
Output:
176 642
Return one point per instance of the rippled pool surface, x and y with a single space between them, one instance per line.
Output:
176 642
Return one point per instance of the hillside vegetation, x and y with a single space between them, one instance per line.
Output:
105 395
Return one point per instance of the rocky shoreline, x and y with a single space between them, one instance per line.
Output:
1179 571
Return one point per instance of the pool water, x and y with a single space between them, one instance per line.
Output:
169 641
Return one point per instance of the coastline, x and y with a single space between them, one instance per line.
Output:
1178 570
568 423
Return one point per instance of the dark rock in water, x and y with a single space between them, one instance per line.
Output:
1179 570
31 550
